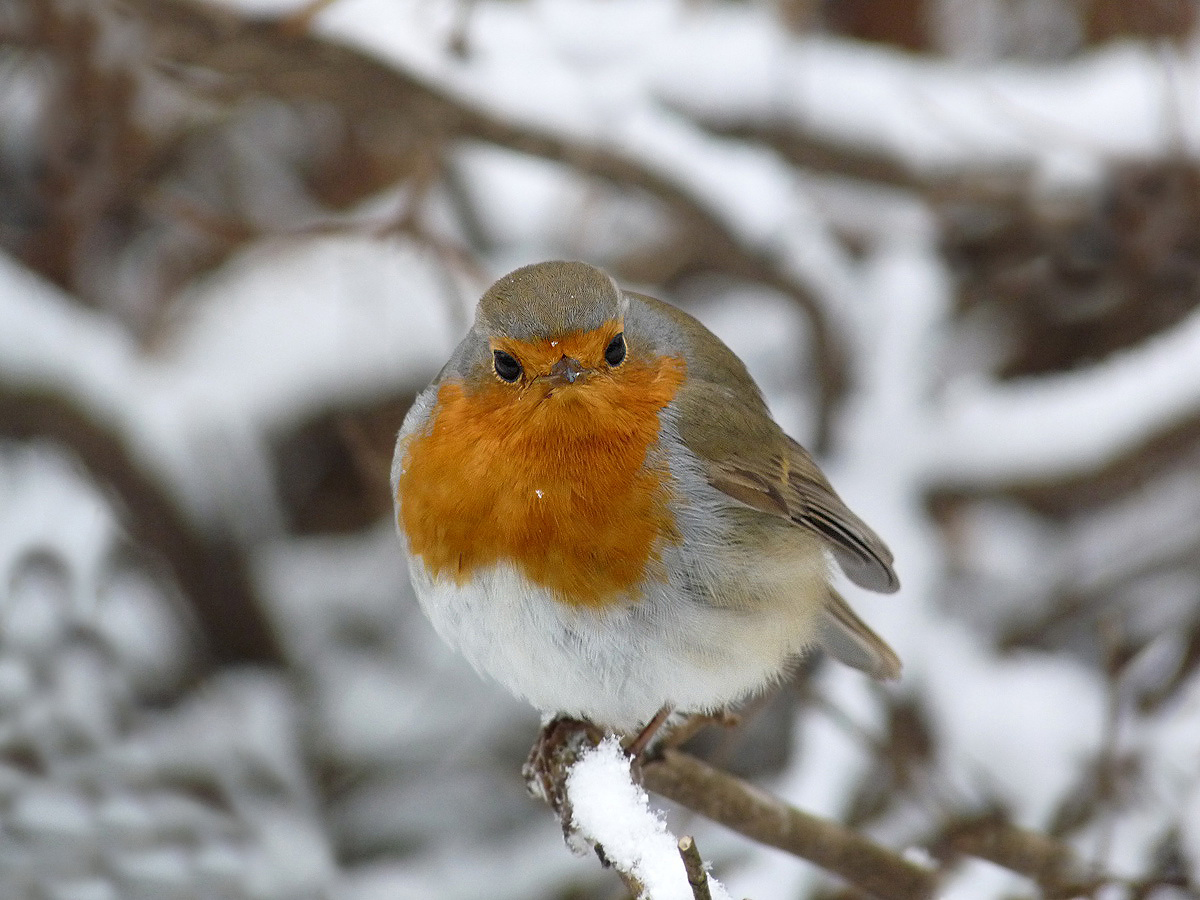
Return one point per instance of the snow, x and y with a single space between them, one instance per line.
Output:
977 878
609 809
135 618
51 810
1020 726
1064 424
933 114
282 328
100 808
735 64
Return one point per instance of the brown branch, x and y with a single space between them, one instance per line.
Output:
818 154
878 871
1050 863
693 864
209 569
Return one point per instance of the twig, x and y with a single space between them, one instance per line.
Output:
748 810
643 738
1050 863
694 865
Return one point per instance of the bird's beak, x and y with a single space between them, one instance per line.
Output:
566 371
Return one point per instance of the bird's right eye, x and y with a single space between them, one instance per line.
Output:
506 366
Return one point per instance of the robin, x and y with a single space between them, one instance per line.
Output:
600 512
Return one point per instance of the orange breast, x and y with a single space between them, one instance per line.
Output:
565 487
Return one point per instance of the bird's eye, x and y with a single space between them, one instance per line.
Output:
506 366
614 353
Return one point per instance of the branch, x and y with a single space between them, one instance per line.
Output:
694 865
732 802
880 872
587 779
1031 429
865 865
1050 863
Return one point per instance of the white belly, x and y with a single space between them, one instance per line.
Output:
619 665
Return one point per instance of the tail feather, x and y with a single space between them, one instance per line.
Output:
846 637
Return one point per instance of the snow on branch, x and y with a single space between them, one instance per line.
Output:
589 782
612 812
1039 428
933 114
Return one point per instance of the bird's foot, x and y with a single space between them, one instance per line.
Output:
641 741
693 724
559 745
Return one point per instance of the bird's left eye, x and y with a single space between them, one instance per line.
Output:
614 353
506 366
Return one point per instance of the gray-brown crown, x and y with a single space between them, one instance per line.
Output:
549 299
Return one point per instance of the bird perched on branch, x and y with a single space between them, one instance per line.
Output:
600 512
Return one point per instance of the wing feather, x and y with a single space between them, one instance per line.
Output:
723 419
788 483
846 637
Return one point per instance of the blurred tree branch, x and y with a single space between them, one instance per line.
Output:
209 569
1051 864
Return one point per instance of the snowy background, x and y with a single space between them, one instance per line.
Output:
956 241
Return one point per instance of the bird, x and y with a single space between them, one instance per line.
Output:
600 512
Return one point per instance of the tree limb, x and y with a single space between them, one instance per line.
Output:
880 872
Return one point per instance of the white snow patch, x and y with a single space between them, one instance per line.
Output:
931 113
612 811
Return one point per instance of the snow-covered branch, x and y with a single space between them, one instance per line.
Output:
612 812
1067 424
